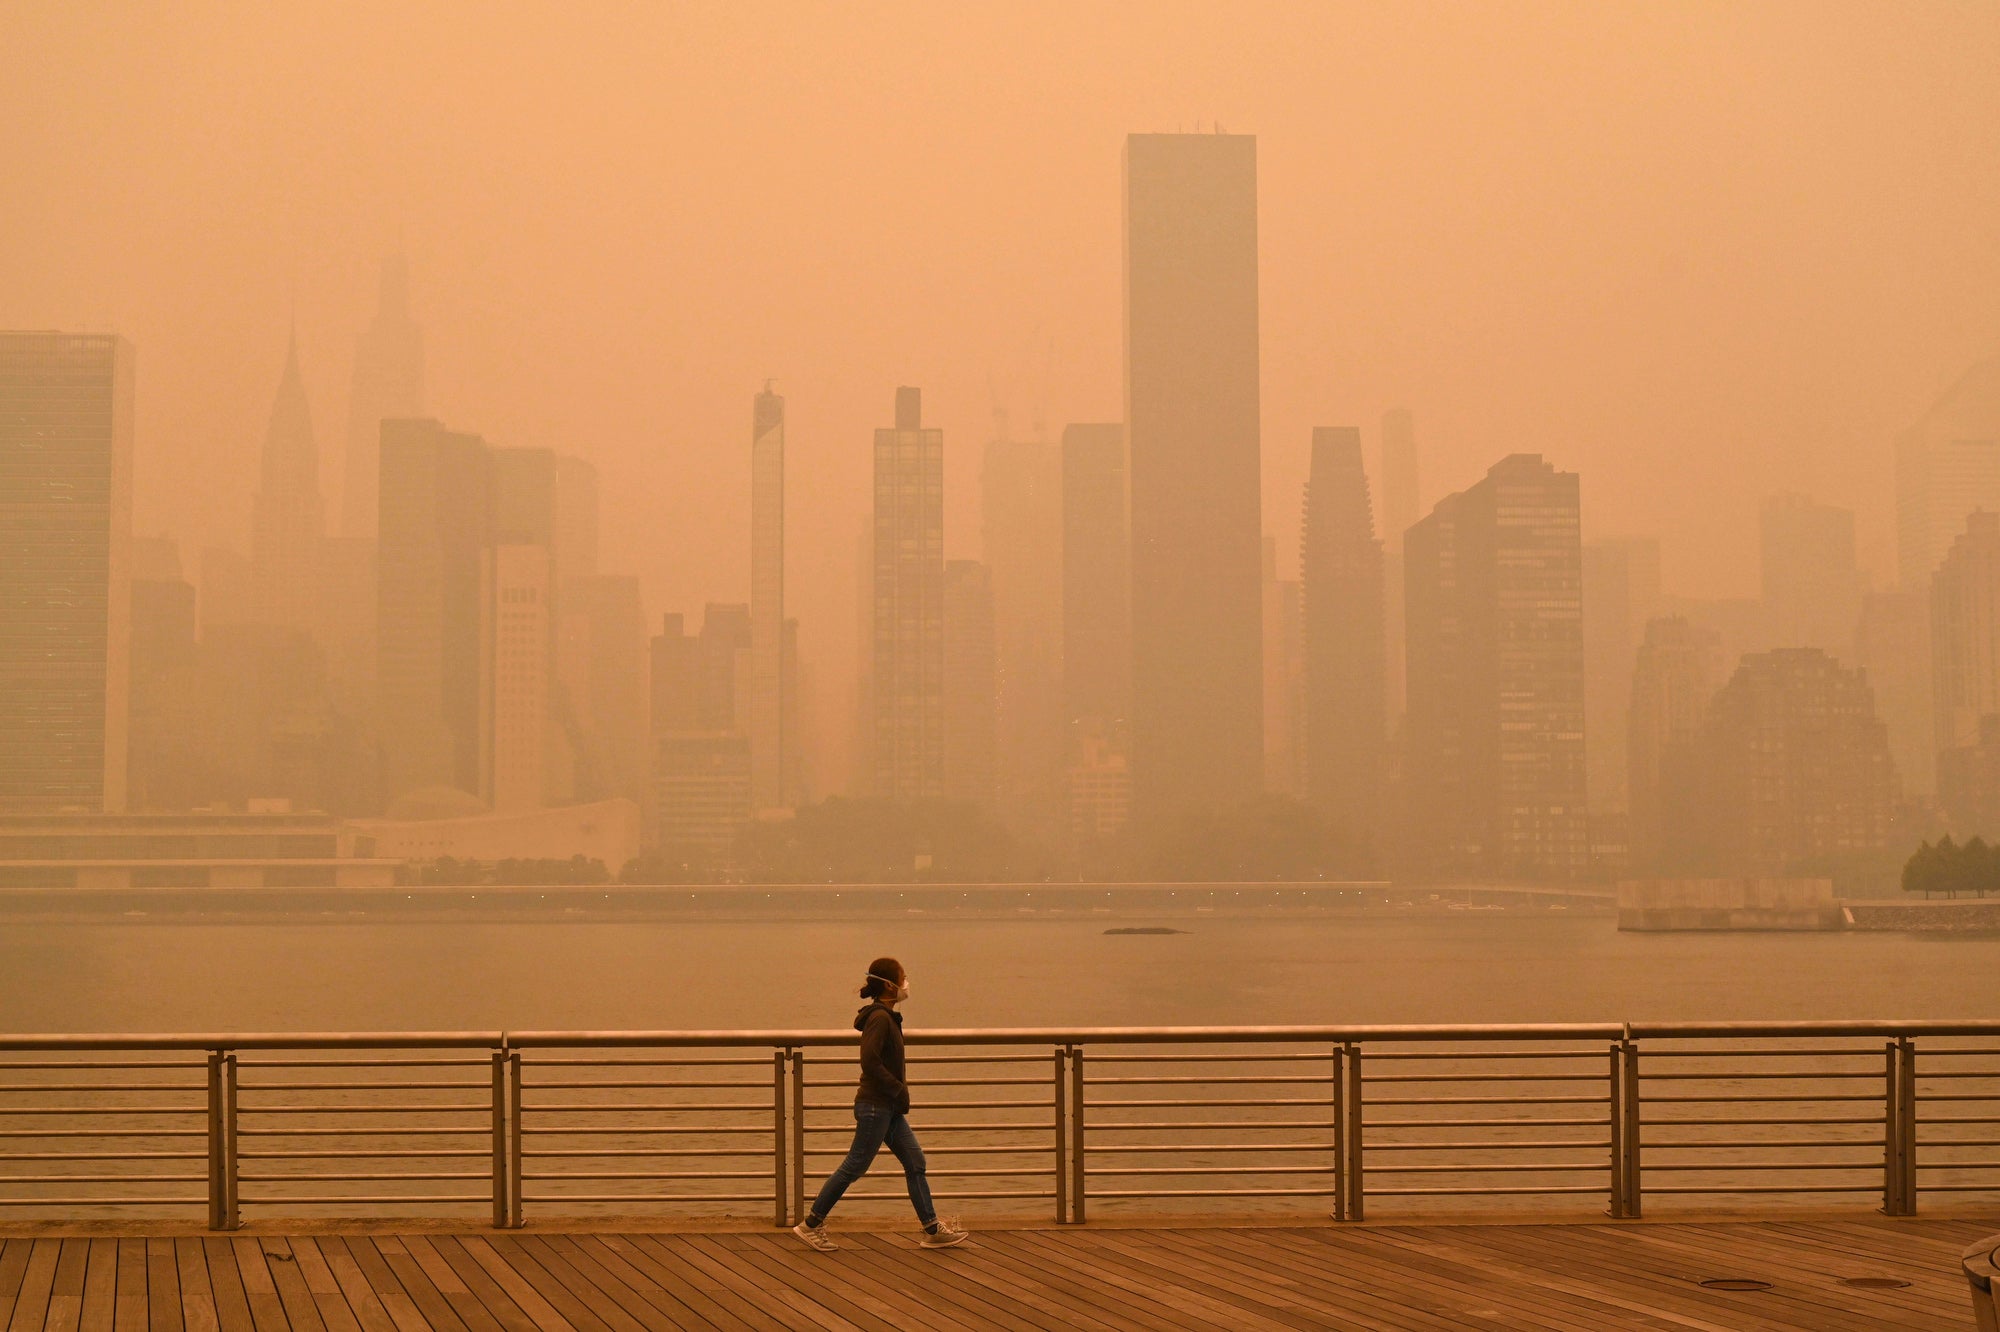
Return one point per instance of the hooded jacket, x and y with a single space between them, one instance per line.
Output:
881 1029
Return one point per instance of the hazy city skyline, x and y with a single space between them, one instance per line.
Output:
1696 255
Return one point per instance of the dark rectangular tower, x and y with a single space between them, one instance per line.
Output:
1191 411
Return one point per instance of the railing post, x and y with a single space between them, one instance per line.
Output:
1892 1132
1906 1114
1628 1112
515 1148
1352 1168
780 1139
1061 1062
1615 1086
797 1061
1076 1118
501 1211
218 1189
1339 1129
231 1211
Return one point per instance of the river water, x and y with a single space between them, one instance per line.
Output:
1456 967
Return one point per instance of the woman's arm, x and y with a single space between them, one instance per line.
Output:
872 1064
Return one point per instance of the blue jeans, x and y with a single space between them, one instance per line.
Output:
874 1125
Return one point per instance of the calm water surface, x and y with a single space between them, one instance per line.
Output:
1488 967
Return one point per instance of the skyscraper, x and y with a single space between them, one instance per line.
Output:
1947 465
1792 766
1673 679
388 384
767 601
1340 570
517 602
1812 586
1284 655
1402 500
1494 608
971 720
1192 422
435 525
1621 593
1892 643
1021 531
65 570
1097 586
289 524
1965 633
906 683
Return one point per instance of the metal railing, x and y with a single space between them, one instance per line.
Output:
696 1122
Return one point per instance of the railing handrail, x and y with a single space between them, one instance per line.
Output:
801 1037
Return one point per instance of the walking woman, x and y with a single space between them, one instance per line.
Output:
881 1110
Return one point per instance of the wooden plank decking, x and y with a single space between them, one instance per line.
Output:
1569 1278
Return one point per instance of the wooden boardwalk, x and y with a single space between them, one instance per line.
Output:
1569 1278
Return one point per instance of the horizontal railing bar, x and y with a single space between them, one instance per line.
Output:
98 1179
319 1177
1039 1149
563 1061
1765 1188
74 1065
1598 1143
1756 1096
931 1107
1261 1102
263 1040
1211 1170
1209 1193
246 1087
1485 1077
1688 1030
101 1086
1876 1143
1100 1127
1191 1148
1317 1057
1507 1167
935 1126
1768 1123
1525 1122
101 1109
763 1197
1764 1165
448 1107
1958 1119
103 1156
1488 1100
953 1196
1784 1074
567 1084
106 1132
119 1200
634 1107
1958 1142
364 1131
405 1199
1253 1079
1975 1097
428 1153
1960 1188
1654 1052
243 1062
1439 1055
647 1174
1953 1075
587 1130
1496 1191
1958 1051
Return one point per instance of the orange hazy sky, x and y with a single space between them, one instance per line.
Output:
1697 252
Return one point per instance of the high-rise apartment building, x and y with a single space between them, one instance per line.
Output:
1621 593
1284 654
1402 500
768 747
1965 633
1096 587
1021 532
1192 430
1892 643
289 521
388 384
1947 465
971 670
603 671
906 682
517 603
1340 569
1673 679
1793 766
701 689
1812 586
1495 757
65 570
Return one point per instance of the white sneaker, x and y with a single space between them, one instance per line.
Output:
948 1233
815 1237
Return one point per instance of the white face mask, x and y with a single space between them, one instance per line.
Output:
898 992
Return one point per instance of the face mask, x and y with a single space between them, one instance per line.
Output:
901 992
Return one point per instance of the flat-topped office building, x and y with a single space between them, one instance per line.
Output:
65 575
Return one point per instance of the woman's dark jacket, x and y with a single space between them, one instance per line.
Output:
881 1029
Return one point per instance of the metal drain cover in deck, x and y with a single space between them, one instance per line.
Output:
1733 1283
1874 1283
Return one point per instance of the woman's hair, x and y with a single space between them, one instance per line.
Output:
881 967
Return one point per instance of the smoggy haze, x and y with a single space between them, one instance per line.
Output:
1696 253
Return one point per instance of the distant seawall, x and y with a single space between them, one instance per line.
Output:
1928 917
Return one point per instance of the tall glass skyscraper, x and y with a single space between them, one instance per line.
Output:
1192 421
768 784
907 682
65 575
